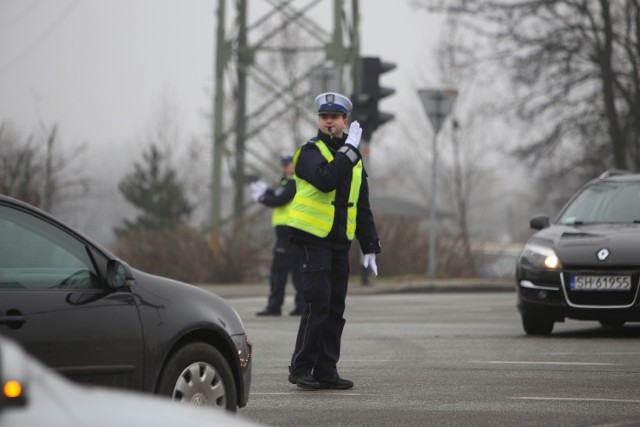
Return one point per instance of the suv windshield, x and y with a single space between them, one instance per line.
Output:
605 202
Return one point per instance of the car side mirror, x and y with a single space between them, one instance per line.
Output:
119 274
539 222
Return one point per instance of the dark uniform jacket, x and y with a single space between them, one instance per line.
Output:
279 197
336 175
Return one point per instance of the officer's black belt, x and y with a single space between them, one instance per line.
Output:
342 205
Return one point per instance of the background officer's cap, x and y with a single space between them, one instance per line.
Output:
285 159
331 102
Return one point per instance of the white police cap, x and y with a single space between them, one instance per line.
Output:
286 158
331 102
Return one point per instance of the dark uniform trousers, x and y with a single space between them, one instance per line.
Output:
325 275
285 260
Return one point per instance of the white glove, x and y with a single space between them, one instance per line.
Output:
258 188
369 260
355 132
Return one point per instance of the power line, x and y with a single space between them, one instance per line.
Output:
43 37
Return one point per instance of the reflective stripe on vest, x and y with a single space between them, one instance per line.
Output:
280 214
313 211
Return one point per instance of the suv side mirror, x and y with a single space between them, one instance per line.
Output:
119 274
539 222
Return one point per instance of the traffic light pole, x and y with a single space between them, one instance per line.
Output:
365 150
366 97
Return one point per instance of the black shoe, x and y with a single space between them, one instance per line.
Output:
267 312
335 382
296 312
304 382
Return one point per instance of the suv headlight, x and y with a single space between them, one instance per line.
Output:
539 256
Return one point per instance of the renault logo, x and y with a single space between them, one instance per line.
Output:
603 254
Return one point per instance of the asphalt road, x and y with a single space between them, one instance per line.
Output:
457 359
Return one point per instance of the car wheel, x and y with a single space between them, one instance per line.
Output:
536 325
198 374
612 323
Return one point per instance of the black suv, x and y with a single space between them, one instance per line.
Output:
586 265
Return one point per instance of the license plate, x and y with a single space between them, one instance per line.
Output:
600 283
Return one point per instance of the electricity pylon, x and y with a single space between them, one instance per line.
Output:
250 97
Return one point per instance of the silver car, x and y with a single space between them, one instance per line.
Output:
34 395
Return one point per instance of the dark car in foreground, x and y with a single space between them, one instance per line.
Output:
85 313
586 264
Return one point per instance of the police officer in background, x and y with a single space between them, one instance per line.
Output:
330 207
285 259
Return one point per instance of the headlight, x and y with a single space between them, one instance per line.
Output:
539 256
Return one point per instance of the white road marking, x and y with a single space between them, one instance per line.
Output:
578 399
618 424
602 353
520 362
279 360
305 392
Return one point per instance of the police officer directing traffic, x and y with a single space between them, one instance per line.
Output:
330 208
285 258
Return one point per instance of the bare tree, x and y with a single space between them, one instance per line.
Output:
21 170
573 66
37 170
463 173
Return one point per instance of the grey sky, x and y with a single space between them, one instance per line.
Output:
99 68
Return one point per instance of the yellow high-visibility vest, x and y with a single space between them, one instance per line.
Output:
280 214
313 211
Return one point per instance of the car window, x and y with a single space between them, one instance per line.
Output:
35 254
605 202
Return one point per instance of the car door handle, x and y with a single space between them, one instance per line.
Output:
14 321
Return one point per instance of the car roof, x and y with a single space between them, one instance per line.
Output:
622 178
617 175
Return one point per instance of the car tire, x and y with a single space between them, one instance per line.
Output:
537 325
612 323
198 374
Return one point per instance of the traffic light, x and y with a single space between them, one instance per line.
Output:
364 111
365 101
